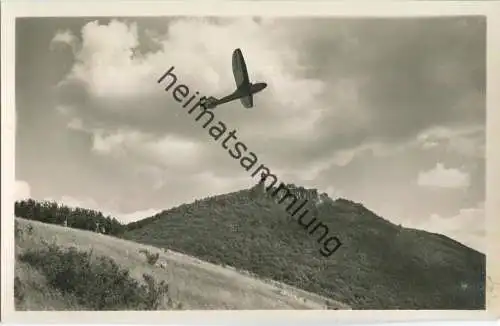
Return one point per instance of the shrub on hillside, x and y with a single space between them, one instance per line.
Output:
18 230
150 257
98 283
157 292
18 290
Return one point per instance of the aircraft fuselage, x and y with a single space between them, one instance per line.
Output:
244 88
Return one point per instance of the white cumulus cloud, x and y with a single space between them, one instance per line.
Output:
22 191
442 177
467 226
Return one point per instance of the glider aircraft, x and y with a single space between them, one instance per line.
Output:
244 88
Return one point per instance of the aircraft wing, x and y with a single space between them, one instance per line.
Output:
241 76
239 69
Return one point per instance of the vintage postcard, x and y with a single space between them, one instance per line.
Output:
226 161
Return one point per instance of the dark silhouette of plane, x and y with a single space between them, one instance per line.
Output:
244 88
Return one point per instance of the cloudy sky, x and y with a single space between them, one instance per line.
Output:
389 113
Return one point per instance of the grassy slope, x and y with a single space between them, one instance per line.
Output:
194 283
379 266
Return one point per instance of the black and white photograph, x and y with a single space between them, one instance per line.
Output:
257 162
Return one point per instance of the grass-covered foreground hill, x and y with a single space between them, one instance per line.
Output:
379 265
62 268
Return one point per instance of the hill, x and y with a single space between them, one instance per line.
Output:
52 276
378 266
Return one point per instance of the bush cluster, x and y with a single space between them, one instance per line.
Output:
98 283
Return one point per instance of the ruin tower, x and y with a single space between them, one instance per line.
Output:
259 188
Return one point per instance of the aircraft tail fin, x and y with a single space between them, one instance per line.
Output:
255 88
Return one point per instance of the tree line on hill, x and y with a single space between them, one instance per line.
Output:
74 217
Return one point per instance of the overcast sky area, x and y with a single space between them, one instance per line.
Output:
389 113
